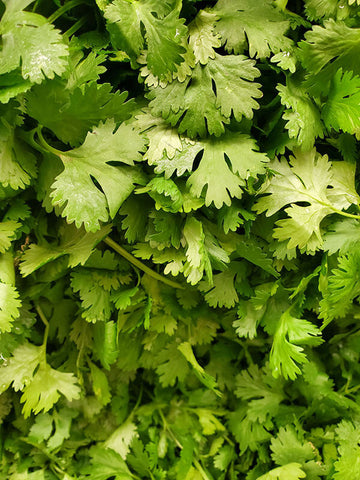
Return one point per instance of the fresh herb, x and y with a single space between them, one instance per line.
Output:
179 240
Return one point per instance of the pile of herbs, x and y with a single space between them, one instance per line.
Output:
179 240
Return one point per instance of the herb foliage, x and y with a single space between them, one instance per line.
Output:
179 240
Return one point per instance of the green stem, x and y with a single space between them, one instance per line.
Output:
28 137
230 442
345 214
168 429
45 145
200 469
75 27
46 323
60 11
281 4
334 210
137 263
36 4
352 390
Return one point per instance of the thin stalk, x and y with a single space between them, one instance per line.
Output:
200 469
168 429
282 4
60 11
46 323
28 137
230 442
36 4
75 27
137 263
45 145
345 214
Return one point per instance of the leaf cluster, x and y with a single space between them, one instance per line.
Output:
179 240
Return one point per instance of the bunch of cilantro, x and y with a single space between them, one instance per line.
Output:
179 240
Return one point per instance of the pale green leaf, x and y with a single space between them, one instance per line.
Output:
302 115
77 243
327 49
287 447
71 114
20 367
100 384
342 288
209 381
121 439
258 26
164 32
202 38
74 188
45 388
7 234
214 175
291 471
194 103
106 464
310 180
342 107
287 352
32 43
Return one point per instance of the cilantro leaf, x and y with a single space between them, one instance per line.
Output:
12 84
302 115
20 368
83 69
199 106
45 388
342 236
224 457
70 114
342 289
74 187
42 428
316 10
260 25
121 439
9 306
196 254
202 37
341 110
96 295
287 447
162 137
287 352
106 464
263 393
223 292
291 471
7 234
165 192
311 178
63 421
322 62
17 161
172 365
247 433
213 173
30 42
100 384
164 32
348 462
209 381
9 297
134 225
76 243
106 343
